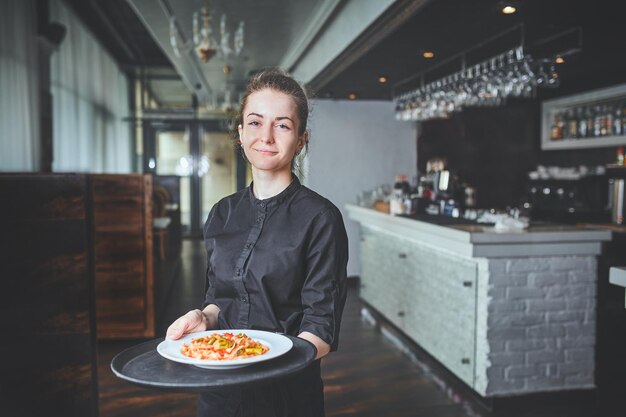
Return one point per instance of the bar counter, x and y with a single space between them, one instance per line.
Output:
508 313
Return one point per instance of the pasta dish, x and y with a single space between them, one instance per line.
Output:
226 346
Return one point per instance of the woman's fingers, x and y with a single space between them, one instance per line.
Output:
188 323
176 329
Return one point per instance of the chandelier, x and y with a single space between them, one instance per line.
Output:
203 42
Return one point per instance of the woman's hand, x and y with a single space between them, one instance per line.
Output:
193 321
322 347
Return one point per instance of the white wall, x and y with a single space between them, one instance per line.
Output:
355 146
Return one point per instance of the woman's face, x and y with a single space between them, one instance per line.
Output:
269 131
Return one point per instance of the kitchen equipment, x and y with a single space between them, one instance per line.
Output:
583 200
617 196
442 182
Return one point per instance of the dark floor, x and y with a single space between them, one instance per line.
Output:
368 376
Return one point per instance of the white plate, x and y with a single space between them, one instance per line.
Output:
278 344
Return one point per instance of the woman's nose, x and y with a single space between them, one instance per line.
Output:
267 135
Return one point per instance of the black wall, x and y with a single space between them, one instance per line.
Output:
493 149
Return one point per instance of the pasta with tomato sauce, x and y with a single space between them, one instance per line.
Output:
226 346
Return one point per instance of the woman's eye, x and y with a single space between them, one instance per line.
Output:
254 123
283 126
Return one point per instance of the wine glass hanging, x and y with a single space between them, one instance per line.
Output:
488 83
513 73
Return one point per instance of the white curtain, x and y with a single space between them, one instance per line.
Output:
19 87
90 101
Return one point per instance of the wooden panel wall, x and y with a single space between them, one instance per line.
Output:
122 229
47 314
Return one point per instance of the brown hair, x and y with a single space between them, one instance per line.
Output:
278 80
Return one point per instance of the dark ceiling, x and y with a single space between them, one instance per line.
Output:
123 34
448 27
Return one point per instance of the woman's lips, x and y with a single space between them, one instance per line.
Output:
266 152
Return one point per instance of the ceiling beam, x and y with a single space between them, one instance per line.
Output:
394 17
312 31
187 65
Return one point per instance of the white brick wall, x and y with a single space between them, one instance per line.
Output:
504 326
541 325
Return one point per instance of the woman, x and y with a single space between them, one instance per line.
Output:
277 255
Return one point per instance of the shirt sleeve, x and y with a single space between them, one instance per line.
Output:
324 290
209 283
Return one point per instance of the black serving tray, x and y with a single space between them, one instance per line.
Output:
142 365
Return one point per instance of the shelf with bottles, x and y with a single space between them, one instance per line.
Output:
590 120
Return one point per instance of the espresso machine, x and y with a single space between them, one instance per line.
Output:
583 200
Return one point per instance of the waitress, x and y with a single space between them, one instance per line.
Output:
277 255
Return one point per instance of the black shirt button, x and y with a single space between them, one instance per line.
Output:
263 205
244 299
247 245
238 272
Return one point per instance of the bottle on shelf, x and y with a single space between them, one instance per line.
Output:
590 121
597 121
556 128
582 122
623 105
565 116
617 120
620 156
572 124
608 120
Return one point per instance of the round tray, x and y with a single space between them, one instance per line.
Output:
142 365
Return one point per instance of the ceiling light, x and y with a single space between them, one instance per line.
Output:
428 54
508 9
352 96
559 60
203 41
382 79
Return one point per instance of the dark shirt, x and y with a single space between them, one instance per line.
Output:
277 264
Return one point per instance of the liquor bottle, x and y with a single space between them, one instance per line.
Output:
565 117
608 120
590 121
555 129
582 123
597 121
561 125
624 117
572 124
617 120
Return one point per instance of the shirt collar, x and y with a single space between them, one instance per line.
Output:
278 198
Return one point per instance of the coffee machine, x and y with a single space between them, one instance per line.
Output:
570 201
